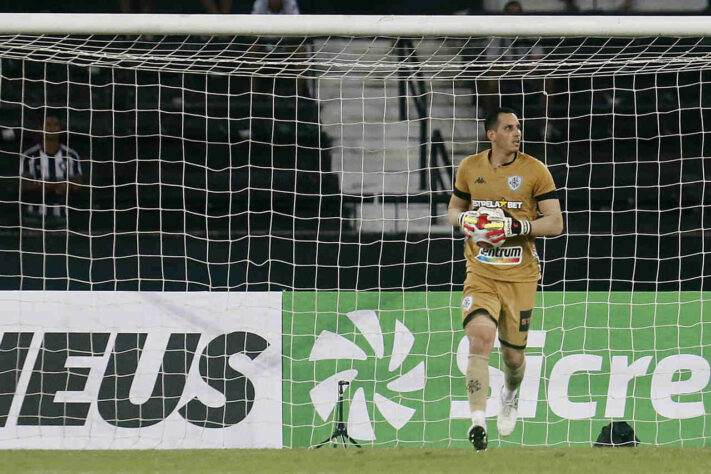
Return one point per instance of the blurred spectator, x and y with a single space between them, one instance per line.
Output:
48 171
217 6
513 8
275 7
523 95
570 6
137 6
508 93
291 48
626 6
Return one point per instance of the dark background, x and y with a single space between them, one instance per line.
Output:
366 7
363 7
165 210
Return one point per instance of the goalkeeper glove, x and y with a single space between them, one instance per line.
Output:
514 227
467 222
511 227
481 229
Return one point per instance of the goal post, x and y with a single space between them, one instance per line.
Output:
207 223
355 25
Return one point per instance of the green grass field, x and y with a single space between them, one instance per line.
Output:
352 460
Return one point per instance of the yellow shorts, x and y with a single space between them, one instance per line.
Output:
509 304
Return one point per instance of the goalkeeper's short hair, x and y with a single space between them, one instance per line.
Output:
492 118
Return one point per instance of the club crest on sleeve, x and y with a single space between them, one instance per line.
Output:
467 303
515 182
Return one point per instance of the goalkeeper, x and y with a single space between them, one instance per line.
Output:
498 196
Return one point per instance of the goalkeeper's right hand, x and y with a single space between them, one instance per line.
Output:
467 222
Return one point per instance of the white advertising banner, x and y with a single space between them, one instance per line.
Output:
139 370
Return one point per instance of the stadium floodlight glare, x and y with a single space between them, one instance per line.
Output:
313 156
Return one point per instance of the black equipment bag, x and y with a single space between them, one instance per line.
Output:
617 434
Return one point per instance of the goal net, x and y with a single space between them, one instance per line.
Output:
229 233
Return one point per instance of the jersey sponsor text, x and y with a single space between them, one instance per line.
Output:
503 204
501 255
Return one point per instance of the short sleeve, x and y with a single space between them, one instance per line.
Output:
74 167
72 162
27 165
544 187
461 188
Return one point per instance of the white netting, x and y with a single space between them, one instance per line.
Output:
322 167
512 58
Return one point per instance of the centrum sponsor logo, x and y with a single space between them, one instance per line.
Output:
332 346
501 255
503 204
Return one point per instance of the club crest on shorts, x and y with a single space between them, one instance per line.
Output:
467 303
515 182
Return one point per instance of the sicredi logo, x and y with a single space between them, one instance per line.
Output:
332 346
666 391
127 369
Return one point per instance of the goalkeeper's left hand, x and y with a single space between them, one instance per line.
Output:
511 228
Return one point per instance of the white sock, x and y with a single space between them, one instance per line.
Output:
508 395
479 418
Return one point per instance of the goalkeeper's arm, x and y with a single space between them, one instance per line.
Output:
551 222
456 207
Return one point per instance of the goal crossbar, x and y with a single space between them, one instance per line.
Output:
354 25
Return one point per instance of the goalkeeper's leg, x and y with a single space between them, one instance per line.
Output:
520 299
480 330
514 368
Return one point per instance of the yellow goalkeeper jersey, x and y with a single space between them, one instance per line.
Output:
516 188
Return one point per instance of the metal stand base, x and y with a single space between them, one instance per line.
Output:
340 431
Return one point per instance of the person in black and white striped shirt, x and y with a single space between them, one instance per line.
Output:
48 171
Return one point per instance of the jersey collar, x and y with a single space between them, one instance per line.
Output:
488 156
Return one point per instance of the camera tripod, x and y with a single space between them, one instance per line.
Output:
340 431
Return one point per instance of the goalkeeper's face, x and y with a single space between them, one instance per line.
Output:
507 135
